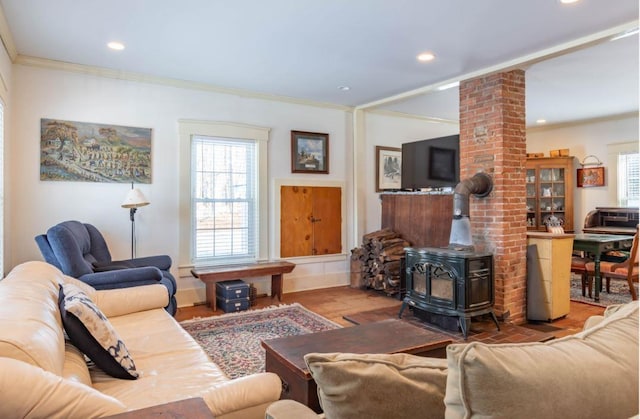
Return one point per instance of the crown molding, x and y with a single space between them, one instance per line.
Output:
396 114
617 117
7 37
165 81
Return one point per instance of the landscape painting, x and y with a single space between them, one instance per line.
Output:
89 152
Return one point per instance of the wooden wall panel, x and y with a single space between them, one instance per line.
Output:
327 230
310 221
423 220
296 231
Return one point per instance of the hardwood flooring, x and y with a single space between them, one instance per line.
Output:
334 303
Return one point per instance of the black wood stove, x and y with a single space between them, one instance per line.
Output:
450 282
455 281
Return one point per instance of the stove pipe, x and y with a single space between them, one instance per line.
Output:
479 185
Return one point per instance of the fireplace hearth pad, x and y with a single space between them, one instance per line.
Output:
450 282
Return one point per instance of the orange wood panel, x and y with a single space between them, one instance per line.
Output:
327 216
296 230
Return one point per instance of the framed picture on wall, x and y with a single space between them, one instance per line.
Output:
309 152
589 177
388 168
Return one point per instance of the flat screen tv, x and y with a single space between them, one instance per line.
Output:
432 163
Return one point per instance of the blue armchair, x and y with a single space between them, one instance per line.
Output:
79 250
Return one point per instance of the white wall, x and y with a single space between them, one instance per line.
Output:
5 216
584 139
391 131
36 205
32 206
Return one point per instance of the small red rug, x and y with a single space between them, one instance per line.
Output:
232 340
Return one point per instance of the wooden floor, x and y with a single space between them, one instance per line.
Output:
334 303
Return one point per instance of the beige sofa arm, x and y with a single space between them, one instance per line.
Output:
29 391
242 393
121 301
290 409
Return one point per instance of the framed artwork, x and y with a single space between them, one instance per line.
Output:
388 168
589 177
309 152
88 152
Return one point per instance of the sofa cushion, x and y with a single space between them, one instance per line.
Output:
592 374
30 327
379 385
31 392
91 332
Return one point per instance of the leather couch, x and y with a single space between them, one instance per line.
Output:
43 375
592 374
79 250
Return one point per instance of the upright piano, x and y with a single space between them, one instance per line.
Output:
611 220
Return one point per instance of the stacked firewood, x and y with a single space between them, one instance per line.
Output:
376 264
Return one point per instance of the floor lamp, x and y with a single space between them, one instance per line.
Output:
134 200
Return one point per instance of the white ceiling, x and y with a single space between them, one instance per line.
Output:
305 49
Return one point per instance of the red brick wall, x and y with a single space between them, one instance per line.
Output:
492 139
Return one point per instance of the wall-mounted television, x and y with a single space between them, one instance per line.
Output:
431 163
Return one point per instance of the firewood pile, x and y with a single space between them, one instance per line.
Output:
376 264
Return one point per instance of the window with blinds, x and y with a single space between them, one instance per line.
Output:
224 204
629 179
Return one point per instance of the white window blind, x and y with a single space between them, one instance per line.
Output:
224 200
629 179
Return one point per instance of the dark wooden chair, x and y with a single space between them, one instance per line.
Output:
626 270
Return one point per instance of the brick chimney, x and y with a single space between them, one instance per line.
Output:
493 140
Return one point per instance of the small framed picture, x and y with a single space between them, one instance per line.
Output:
309 152
388 168
589 177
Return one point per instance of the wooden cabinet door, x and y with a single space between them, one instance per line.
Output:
296 229
327 221
310 221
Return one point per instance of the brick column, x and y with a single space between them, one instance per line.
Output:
493 140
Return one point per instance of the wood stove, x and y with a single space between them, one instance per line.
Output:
450 282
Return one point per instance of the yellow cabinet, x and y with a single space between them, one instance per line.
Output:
549 192
548 275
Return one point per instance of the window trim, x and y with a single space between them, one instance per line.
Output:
613 150
189 128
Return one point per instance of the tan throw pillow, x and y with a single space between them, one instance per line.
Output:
379 385
593 374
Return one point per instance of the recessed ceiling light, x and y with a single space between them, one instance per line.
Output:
541 121
118 46
569 1
425 56
344 88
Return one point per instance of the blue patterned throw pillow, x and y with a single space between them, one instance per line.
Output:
90 331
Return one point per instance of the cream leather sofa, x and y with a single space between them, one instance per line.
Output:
593 374
42 376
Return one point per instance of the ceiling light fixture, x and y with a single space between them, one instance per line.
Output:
118 46
425 56
344 88
541 121
569 1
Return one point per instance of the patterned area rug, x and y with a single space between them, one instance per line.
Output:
619 293
233 340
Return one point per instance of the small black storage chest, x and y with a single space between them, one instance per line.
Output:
229 290
236 304
232 295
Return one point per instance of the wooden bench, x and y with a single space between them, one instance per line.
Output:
211 275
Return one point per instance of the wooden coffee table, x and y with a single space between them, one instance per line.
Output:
285 356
